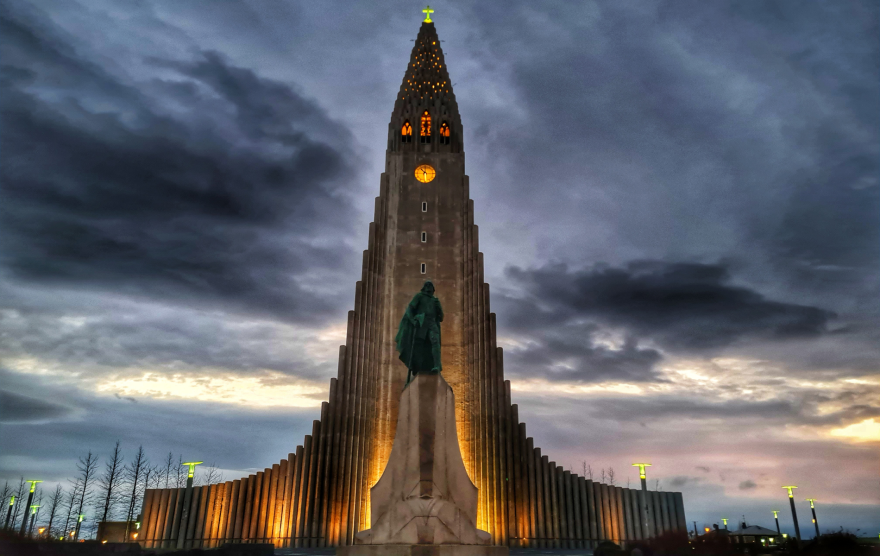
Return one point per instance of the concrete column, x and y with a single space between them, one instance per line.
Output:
571 540
169 518
224 513
192 513
540 505
302 498
269 509
517 493
233 489
575 490
629 533
554 503
248 510
254 511
531 508
239 509
290 531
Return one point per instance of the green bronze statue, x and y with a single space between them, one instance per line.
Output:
418 336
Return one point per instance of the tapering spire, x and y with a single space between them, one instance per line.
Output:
427 87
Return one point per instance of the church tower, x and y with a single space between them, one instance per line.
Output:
423 229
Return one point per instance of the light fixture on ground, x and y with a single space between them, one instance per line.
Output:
644 500
813 509
30 499
797 530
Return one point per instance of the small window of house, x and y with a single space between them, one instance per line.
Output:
424 206
423 268
424 237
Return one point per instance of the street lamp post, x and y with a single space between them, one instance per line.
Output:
644 501
187 499
797 530
33 519
724 519
813 508
9 512
29 500
776 517
79 521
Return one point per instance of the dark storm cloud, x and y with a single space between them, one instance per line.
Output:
748 485
682 306
204 183
15 408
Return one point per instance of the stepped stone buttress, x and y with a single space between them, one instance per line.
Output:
319 495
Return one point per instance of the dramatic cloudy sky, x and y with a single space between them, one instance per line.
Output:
678 205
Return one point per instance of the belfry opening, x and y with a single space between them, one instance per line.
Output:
318 495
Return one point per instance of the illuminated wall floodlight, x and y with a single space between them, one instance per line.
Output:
192 467
790 488
641 467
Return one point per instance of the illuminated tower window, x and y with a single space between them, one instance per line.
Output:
424 237
424 206
444 134
423 268
425 128
406 133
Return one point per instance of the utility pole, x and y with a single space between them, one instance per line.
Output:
695 530
33 519
813 508
29 500
9 512
645 510
797 530
187 499
776 517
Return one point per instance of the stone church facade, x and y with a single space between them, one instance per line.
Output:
423 228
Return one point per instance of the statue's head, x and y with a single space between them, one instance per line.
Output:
428 288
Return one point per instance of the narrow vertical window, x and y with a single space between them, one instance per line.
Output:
424 237
406 133
444 134
425 128
424 206
423 268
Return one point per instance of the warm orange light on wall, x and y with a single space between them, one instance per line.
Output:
425 130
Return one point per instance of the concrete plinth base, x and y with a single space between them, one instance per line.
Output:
422 550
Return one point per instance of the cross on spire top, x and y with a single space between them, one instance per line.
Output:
428 11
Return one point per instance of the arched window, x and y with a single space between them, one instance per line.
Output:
425 129
444 134
406 133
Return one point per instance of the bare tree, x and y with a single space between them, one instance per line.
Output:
211 475
627 482
181 475
169 461
7 492
603 475
134 472
108 483
87 468
55 504
656 484
588 471
611 475
71 504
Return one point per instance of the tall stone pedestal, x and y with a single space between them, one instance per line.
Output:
424 504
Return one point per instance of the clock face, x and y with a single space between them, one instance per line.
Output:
425 173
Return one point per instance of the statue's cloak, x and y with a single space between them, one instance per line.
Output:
421 319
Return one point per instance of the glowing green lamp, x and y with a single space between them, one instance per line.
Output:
192 467
641 467
33 484
428 11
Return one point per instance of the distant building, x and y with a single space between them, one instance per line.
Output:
755 535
